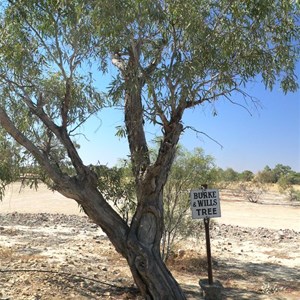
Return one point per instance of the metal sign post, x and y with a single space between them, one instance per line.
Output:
208 251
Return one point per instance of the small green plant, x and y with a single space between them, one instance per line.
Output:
117 185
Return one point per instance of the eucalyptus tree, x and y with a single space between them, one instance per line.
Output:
170 56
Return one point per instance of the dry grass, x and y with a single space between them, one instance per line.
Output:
188 262
9 254
6 253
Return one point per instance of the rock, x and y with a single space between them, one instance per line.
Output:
181 253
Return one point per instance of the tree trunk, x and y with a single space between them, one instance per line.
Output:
152 276
144 258
139 243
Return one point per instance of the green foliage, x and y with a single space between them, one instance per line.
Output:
285 186
228 175
266 176
10 160
280 171
195 51
246 176
45 50
279 174
293 177
117 185
190 169
186 53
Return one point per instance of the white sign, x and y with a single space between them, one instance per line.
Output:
205 204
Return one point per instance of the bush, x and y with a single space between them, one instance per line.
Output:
190 170
286 187
251 191
293 195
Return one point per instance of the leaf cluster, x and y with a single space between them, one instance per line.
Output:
190 52
45 48
117 185
10 160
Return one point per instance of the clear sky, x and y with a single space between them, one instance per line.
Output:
270 135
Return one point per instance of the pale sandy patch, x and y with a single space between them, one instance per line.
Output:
42 200
260 215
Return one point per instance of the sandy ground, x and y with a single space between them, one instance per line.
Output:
274 213
43 200
255 249
257 215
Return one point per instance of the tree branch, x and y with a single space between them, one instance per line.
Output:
157 58
65 104
59 62
59 132
134 118
203 133
54 172
158 110
82 191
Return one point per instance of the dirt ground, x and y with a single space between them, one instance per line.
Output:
49 250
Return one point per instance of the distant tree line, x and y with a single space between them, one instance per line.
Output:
280 173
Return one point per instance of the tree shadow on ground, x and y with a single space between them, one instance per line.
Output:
245 280
254 281
191 291
92 288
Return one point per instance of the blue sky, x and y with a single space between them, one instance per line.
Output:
270 135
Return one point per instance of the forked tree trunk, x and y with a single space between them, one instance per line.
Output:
143 254
139 244
148 269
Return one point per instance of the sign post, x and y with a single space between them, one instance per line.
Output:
205 204
208 251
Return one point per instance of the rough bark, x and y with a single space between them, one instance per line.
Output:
83 189
143 244
148 269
